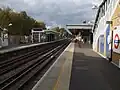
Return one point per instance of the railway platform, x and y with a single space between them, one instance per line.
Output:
80 69
21 46
16 47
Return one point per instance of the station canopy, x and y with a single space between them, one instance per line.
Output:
79 26
76 28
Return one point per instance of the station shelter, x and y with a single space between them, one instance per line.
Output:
40 35
36 35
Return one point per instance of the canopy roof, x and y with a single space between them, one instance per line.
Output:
79 26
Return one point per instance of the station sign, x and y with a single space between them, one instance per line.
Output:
116 40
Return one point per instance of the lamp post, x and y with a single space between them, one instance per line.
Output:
9 25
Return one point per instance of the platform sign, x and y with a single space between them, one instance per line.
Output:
116 40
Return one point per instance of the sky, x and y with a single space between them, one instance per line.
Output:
55 12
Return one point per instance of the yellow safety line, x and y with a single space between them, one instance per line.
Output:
61 71
58 79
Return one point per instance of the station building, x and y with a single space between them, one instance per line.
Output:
106 30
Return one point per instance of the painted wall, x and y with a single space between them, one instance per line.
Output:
103 29
99 31
115 26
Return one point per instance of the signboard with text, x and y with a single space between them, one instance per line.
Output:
116 40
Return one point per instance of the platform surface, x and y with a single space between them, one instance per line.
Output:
80 69
91 72
58 76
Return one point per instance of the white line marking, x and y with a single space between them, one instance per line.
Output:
35 87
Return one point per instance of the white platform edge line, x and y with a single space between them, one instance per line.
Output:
106 58
34 88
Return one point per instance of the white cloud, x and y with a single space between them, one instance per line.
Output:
30 2
55 11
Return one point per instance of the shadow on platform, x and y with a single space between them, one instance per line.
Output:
92 72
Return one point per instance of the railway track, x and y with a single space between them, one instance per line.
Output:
22 56
21 78
16 62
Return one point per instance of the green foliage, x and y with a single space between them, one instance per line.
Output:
38 24
21 22
61 31
56 29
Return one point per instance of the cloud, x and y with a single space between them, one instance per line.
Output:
55 11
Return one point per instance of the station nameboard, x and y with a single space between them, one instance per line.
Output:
116 40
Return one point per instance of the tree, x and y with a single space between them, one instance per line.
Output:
4 17
39 24
21 22
56 29
62 30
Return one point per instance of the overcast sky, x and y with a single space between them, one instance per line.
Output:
54 12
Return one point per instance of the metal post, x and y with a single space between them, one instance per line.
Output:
110 59
39 37
32 36
50 37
